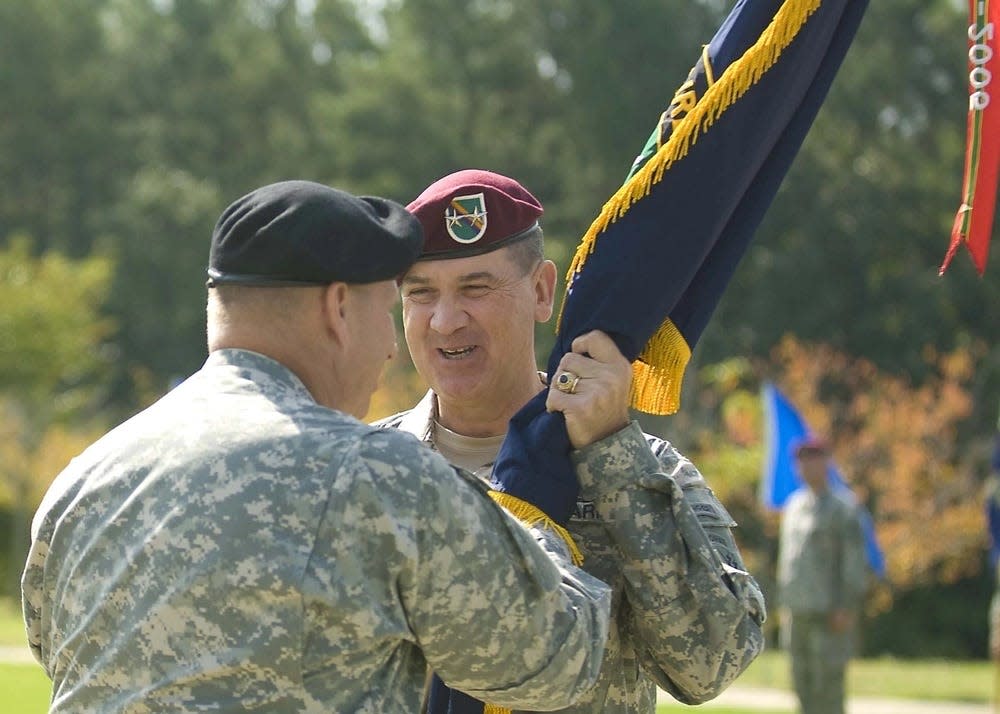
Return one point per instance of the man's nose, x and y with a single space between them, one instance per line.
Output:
448 316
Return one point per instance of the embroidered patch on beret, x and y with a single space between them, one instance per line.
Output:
473 211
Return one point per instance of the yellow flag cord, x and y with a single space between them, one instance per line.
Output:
531 515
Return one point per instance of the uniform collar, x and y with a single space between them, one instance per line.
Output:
419 421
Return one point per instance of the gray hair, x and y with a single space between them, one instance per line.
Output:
527 252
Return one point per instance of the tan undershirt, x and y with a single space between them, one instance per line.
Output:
472 453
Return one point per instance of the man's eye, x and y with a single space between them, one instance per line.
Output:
418 294
476 290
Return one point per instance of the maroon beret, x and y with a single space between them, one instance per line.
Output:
811 444
471 212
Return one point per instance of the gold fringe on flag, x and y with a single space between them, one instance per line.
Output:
530 515
659 370
657 374
494 709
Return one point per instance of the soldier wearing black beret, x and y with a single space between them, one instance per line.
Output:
246 543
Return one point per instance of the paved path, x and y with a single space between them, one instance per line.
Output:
15 655
755 698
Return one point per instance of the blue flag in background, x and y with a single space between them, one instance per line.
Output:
993 503
780 479
993 522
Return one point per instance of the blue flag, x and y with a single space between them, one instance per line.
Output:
993 525
653 265
780 479
993 503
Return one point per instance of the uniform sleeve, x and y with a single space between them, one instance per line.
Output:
498 610
31 595
695 612
33 577
853 560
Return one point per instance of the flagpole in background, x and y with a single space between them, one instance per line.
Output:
974 220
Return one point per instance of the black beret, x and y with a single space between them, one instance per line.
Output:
304 233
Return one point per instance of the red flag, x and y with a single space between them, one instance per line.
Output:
974 220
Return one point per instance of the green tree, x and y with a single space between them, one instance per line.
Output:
619 65
53 362
111 101
58 148
130 125
159 232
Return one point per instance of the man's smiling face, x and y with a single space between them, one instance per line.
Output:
470 324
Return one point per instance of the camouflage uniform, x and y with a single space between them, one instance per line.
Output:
237 547
685 614
821 568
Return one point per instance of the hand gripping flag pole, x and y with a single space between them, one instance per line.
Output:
974 220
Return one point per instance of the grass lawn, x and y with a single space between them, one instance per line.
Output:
928 680
11 625
26 689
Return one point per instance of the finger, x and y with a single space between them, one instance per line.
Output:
599 346
577 364
556 401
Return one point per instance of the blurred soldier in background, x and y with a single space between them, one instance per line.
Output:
822 577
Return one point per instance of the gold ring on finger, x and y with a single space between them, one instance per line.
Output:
566 382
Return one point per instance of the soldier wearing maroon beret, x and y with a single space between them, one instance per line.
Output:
822 577
685 615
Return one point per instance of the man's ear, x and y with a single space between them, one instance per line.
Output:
545 290
335 306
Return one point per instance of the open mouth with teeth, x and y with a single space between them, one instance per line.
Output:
457 353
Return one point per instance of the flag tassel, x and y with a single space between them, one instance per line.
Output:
657 374
531 515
